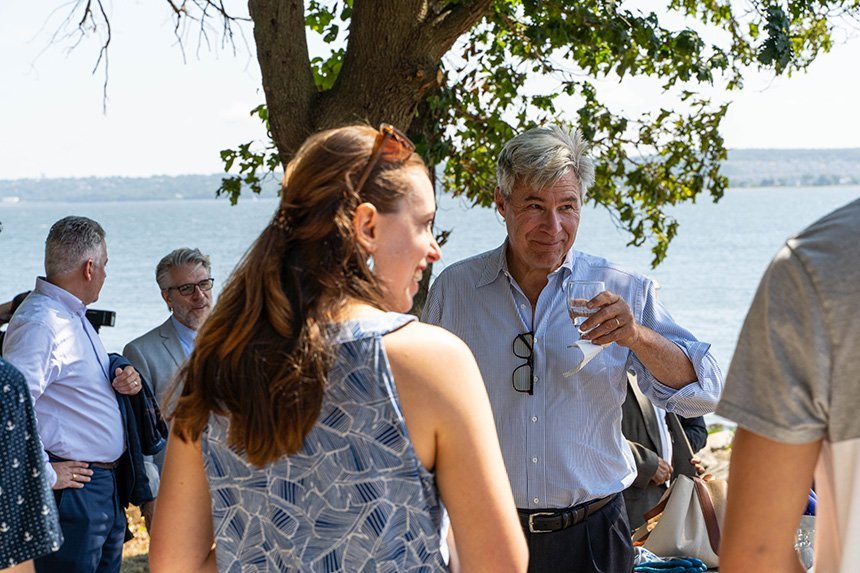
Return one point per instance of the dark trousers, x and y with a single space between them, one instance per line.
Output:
93 525
600 544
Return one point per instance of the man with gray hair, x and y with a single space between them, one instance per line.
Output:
558 416
184 277
68 373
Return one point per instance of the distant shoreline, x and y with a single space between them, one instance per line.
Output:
8 199
744 168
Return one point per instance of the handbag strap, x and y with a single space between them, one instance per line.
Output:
657 509
661 505
642 532
711 523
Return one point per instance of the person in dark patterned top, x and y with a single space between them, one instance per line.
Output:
29 527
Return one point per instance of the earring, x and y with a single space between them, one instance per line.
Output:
370 263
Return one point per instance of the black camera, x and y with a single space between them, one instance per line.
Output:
99 318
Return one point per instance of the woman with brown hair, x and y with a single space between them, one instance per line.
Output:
317 427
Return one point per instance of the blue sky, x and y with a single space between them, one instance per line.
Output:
166 115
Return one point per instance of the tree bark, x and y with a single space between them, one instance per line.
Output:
282 50
392 59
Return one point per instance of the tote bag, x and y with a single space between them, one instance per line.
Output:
687 520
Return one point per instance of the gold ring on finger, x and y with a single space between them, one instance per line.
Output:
617 323
74 477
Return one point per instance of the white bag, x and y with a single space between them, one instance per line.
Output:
687 520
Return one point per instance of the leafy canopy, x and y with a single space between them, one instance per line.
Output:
531 62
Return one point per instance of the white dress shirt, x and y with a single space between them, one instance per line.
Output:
563 445
66 367
665 439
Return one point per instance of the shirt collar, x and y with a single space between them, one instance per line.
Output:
497 263
72 303
186 335
566 268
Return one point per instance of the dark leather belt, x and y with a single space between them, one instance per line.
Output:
556 520
105 465
101 465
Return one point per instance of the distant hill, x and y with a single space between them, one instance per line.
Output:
160 187
792 167
744 168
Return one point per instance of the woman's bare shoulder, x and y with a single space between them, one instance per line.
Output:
434 371
431 356
419 340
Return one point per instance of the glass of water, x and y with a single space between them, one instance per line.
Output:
578 295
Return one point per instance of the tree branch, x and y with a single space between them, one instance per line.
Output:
88 15
103 53
449 23
282 51
393 59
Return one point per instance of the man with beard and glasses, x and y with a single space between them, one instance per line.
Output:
184 277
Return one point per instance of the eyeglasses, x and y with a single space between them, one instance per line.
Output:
188 289
523 375
391 145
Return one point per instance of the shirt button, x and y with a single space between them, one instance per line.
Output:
534 460
536 378
536 500
534 418
523 305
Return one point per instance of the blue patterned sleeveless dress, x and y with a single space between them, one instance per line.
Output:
355 498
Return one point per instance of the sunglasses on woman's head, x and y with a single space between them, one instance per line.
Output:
392 145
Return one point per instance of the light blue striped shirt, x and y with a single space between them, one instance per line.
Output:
563 445
186 335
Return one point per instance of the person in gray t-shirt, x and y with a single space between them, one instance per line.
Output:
793 389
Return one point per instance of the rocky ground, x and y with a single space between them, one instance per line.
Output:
136 551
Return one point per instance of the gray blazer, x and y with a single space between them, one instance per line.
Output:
639 425
157 355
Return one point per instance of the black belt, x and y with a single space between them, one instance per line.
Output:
105 465
556 520
102 465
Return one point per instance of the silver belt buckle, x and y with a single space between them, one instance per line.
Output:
532 522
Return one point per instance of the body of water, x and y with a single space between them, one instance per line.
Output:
708 279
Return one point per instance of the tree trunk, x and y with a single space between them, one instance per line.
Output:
391 61
282 50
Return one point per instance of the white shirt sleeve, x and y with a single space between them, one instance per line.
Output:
28 347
